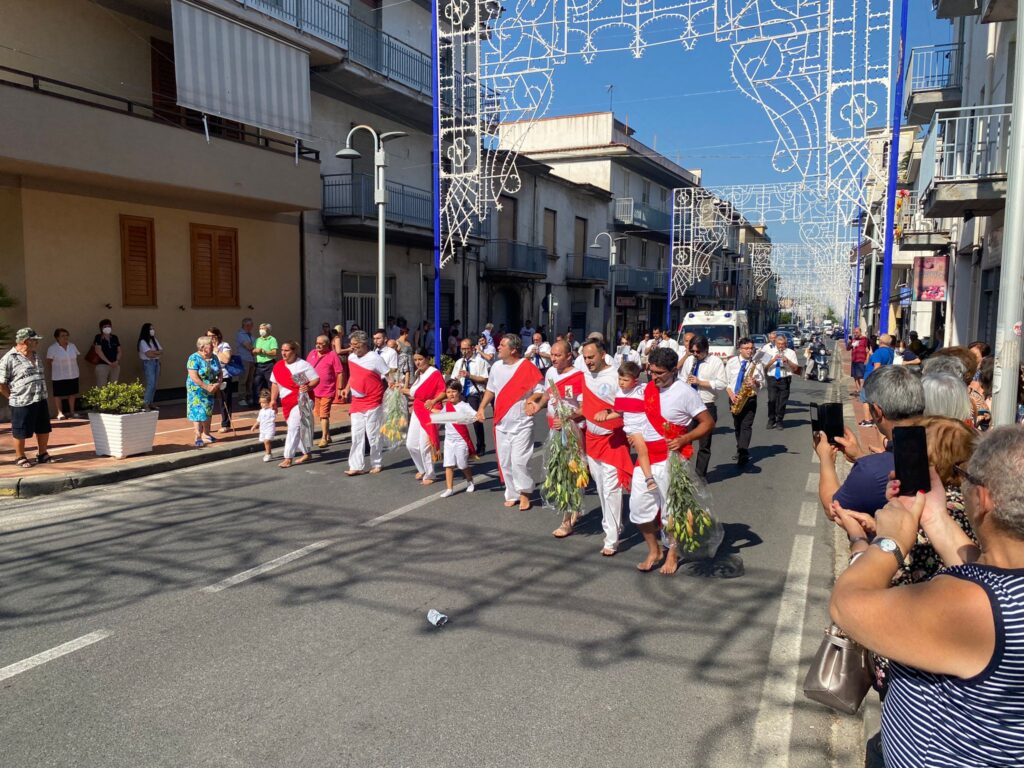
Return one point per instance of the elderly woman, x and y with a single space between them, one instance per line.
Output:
956 642
224 396
426 393
946 395
201 386
292 381
62 358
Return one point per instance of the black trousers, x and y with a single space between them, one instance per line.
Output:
478 429
261 378
743 423
704 451
778 397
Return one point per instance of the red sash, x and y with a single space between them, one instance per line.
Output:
368 383
524 379
568 388
462 430
283 377
610 449
428 389
657 450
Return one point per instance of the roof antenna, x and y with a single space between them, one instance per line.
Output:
611 97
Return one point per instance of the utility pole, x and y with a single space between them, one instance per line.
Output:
1011 276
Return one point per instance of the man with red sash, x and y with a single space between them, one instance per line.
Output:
365 388
292 380
676 417
511 381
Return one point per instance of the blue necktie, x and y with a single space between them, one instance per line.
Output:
467 383
739 379
696 367
778 369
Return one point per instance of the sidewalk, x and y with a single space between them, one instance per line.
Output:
78 465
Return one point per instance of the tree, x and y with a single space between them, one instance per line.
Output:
785 318
6 302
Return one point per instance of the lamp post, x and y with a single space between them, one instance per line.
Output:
380 196
612 253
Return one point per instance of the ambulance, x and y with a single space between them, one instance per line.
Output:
722 328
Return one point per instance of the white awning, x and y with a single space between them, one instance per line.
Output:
228 69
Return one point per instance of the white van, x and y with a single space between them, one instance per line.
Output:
722 328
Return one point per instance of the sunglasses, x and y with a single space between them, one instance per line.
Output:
972 479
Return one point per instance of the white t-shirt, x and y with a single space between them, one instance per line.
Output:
534 352
516 419
451 435
551 378
580 365
371 361
151 346
633 423
267 418
302 372
65 361
604 384
667 341
679 405
388 355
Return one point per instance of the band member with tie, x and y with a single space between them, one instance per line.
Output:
779 371
745 377
471 371
706 374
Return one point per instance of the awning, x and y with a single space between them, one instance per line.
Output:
227 69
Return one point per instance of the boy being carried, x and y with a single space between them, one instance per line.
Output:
629 406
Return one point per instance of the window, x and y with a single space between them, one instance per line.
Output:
645 194
359 299
507 218
214 266
550 232
579 237
643 253
138 262
597 298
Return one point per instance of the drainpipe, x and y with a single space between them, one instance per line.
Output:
948 334
302 278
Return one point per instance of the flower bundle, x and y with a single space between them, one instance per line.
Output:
688 520
396 418
567 475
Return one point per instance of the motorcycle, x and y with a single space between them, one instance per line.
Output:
821 360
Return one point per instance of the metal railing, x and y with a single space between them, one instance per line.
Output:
176 117
390 56
582 266
351 194
462 90
635 214
936 66
326 19
641 280
911 218
514 256
966 144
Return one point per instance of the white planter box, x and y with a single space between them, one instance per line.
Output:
123 435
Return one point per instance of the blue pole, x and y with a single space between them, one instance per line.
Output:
894 162
436 162
671 259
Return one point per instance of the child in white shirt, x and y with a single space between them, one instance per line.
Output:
266 420
632 422
456 449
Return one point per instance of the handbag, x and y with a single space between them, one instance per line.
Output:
91 357
840 674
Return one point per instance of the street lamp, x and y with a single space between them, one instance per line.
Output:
612 252
380 196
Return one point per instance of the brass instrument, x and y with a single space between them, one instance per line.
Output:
747 387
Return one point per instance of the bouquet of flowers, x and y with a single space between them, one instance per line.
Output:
396 418
688 519
567 474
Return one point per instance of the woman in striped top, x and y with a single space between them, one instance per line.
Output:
956 643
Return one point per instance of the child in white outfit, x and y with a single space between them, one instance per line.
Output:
266 420
456 449
632 423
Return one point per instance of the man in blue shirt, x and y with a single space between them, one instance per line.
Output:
883 355
895 398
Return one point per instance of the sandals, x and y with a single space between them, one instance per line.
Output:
23 462
45 458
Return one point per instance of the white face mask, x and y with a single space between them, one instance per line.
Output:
106 330
263 331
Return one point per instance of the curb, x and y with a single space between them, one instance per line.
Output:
50 484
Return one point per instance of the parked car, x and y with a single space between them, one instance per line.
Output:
759 340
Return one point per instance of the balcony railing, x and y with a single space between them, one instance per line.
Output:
171 116
390 56
462 90
934 67
634 214
640 279
582 266
351 194
966 144
326 19
514 256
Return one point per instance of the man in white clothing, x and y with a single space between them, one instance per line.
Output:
539 352
380 346
663 340
580 364
526 334
779 372
706 374
471 372
511 382
365 387
744 368
768 350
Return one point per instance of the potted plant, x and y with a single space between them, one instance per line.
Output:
120 426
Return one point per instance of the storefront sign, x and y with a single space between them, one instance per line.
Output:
930 278
625 301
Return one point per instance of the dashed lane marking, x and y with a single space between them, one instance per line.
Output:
54 653
266 567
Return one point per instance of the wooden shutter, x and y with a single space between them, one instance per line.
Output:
138 262
214 266
550 232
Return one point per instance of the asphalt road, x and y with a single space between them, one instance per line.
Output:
128 637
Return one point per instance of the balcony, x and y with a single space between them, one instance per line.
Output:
586 270
640 279
641 216
963 162
998 10
954 9
390 57
460 94
914 230
324 19
935 79
348 207
511 258
58 130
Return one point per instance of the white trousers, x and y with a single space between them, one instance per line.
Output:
418 445
368 424
644 504
296 438
609 492
514 451
456 452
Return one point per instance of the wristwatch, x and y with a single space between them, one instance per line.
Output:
889 545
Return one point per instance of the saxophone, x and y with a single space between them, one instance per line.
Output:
747 388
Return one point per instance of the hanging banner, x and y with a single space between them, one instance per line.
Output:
930 278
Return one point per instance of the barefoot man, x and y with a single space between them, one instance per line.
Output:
666 401
365 390
292 383
511 382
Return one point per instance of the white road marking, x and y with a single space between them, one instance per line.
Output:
808 513
812 483
774 724
54 653
270 565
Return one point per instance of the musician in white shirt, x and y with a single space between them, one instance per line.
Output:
747 366
706 374
768 349
625 353
663 341
471 371
539 352
779 372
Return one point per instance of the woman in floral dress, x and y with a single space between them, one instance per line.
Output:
201 386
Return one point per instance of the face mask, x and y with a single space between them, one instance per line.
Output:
106 330
152 332
263 331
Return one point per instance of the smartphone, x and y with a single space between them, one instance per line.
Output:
910 451
815 420
830 416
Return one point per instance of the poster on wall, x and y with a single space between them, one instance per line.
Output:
930 278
